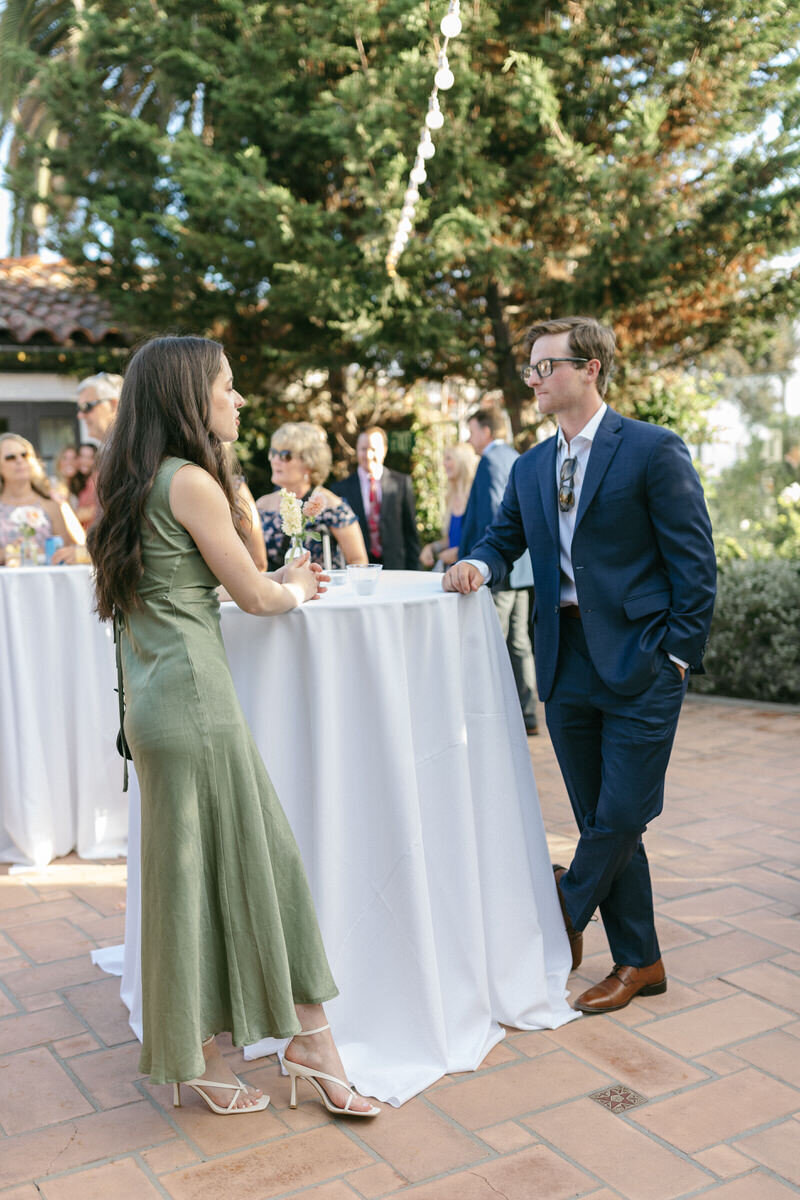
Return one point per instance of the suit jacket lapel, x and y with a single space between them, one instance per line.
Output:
549 490
604 447
355 497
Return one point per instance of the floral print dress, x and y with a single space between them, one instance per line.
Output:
333 516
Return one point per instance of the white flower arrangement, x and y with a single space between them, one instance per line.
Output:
291 510
296 517
29 521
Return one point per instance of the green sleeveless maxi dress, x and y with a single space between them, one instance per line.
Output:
230 940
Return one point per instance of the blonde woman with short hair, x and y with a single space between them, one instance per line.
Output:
300 461
460 465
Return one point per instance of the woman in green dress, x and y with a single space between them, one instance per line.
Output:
230 940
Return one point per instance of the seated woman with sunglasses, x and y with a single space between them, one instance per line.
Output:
26 502
300 460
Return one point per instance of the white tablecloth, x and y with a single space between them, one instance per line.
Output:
391 728
60 777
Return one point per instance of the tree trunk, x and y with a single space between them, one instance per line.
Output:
508 379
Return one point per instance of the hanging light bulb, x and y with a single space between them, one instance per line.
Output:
411 196
444 77
418 174
426 148
434 118
450 24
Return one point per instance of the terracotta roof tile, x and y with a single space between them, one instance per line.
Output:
48 298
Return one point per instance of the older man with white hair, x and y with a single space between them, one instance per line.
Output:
97 400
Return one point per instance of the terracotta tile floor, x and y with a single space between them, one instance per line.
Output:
694 1093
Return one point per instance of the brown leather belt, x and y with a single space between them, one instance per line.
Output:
571 610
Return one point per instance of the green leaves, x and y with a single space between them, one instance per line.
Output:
241 168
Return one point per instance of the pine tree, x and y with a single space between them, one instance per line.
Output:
239 168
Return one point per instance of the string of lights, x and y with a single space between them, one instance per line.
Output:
443 80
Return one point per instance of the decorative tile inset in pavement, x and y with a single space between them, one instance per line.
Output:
618 1098
693 1093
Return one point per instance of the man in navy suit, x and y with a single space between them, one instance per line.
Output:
623 565
487 434
383 501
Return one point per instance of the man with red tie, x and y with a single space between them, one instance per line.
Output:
383 501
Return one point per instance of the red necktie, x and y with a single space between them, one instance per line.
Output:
374 520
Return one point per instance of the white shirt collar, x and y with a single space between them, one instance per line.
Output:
492 444
588 431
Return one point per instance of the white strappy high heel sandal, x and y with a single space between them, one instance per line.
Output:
298 1071
198 1085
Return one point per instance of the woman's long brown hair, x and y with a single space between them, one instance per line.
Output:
163 411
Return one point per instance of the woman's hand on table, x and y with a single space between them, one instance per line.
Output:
303 574
427 556
70 556
322 579
280 576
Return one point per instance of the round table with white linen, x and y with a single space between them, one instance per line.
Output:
391 728
60 777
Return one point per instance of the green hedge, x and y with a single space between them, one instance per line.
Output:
754 649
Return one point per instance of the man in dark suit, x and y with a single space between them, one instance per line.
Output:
623 565
487 434
383 501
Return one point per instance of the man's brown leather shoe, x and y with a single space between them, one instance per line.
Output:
575 938
619 988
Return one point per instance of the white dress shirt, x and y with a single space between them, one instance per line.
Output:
580 447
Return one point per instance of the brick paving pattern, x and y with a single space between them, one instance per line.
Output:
694 1093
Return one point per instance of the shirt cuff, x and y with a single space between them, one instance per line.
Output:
482 567
679 661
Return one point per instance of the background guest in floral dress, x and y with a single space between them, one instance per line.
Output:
300 460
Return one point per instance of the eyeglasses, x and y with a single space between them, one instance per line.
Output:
566 481
544 368
283 455
85 406
13 457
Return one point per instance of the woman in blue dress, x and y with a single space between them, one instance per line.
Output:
460 465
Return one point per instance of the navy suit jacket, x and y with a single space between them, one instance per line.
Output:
642 553
399 537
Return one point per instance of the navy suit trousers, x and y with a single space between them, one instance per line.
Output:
613 752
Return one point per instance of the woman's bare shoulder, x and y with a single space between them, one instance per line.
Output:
190 477
330 498
50 505
269 502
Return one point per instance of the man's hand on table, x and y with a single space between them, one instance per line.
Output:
463 577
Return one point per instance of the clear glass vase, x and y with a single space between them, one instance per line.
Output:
296 549
29 554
